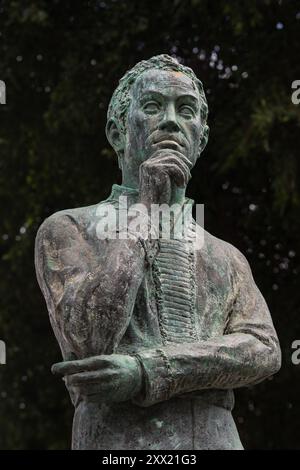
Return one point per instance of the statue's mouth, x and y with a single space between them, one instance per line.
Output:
158 140
175 142
169 144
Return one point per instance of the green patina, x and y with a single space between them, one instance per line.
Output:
161 330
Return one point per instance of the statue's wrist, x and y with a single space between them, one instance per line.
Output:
139 377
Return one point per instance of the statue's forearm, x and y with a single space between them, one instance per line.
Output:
224 362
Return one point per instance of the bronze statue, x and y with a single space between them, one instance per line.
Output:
155 332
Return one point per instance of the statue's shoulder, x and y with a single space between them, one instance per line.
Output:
68 222
62 221
224 253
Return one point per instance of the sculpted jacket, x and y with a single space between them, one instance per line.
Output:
194 318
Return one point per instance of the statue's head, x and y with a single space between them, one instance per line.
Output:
156 102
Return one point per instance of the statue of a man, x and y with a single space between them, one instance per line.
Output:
154 332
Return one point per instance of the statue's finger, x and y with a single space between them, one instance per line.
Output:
82 365
89 378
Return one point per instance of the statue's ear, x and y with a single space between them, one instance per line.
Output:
115 137
204 139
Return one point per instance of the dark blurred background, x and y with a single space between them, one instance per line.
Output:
61 61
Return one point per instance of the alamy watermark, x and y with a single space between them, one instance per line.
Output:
2 92
2 352
158 221
296 94
296 354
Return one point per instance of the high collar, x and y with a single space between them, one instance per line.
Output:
133 194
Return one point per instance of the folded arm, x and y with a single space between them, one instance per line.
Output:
247 353
90 300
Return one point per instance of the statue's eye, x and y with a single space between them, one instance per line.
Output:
151 107
186 111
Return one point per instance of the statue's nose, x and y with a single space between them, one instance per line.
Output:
169 121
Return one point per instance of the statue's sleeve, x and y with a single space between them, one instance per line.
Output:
89 286
247 352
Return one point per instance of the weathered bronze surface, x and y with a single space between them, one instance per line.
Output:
154 333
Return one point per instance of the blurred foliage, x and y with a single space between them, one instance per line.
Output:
61 60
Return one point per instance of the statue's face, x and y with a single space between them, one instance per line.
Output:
164 113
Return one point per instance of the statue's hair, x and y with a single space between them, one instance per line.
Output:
120 100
